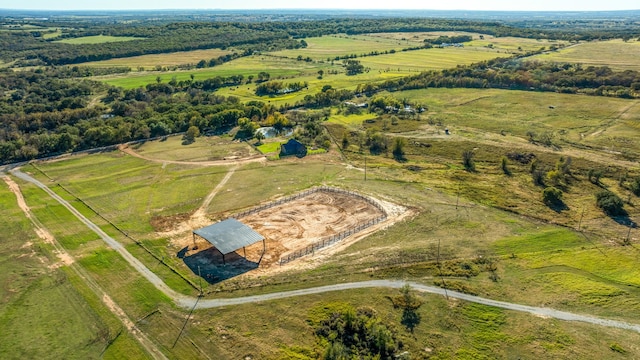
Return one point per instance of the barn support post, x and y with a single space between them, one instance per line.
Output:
245 251
194 240
223 261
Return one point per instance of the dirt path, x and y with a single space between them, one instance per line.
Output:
68 260
201 212
188 302
252 159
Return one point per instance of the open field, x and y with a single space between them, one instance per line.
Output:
605 123
326 48
428 59
616 54
406 250
98 39
149 62
250 65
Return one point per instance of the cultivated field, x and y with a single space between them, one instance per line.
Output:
149 62
616 54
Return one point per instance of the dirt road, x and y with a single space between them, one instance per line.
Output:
188 302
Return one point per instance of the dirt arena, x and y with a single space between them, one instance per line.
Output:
287 227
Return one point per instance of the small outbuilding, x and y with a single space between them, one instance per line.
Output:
229 235
293 147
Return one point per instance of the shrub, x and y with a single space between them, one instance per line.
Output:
504 165
610 203
552 196
467 160
635 186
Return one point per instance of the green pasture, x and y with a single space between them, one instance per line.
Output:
47 311
336 81
616 54
593 121
328 47
98 39
150 61
427 59
204 148
130 191
251 65
514 44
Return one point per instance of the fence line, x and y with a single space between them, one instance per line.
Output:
307 193
329 240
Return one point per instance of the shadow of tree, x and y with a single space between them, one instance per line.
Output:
211 266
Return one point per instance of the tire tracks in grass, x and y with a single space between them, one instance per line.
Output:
69 261
188 302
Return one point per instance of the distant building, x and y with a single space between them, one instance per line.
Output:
293 147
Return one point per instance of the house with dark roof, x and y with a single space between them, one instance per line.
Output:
293 147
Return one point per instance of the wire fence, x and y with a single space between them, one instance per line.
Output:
330 240
313 190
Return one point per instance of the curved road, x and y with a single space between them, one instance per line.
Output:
189 302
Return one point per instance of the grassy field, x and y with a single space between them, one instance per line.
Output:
429 59
616 54
251 65
46 311
97 39
149 62
205 148
557 267
609 124
328 47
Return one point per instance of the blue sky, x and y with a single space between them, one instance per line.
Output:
539 5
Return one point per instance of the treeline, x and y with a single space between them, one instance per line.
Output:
449 39
47 116
516 74
278 87
258 36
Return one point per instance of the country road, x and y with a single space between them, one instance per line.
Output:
189 302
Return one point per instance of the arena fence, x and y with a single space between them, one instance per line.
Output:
329 240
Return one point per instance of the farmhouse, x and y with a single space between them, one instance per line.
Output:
228 236
293 147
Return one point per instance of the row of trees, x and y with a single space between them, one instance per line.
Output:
158 37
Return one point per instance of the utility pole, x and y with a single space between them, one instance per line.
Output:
365 167
440 270
580 222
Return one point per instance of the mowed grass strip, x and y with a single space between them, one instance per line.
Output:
98 39
152 60
616 54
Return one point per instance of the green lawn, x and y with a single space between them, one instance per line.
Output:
428 59
204 148
98 39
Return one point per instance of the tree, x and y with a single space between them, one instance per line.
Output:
354 67
398 149
259 135
552 196
610 203
345 141
320 73
190 136
504 165
467 161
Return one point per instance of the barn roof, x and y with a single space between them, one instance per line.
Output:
229 235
